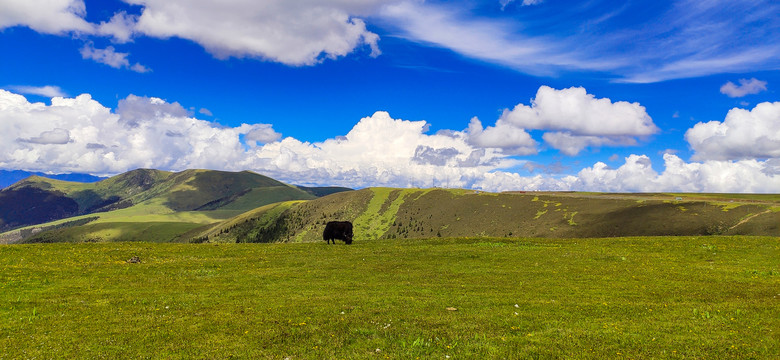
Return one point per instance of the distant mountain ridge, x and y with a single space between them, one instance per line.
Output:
214 206
37 199
10 177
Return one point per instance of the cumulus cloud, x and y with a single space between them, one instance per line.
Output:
510 181
637 175
382 151
135 110
575 110
47 91
262 133
511 139
745 87
46 16
743 134
81 135
109 56
290 32
577 120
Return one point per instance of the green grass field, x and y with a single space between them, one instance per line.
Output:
617 298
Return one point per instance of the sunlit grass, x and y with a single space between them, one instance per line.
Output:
640 298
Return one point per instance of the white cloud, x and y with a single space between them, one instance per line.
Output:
742 135
688 38
511 139
508 181
745 87
262 133
46 91
81 135
120 27
496 41
578 120
575 110
382 151
291 32
45 16
140 68
637 175
109 56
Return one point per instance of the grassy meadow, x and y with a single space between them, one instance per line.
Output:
456 298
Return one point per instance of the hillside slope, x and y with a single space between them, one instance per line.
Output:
383 213
138 194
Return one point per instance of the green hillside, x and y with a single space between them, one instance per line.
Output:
385 213
180 201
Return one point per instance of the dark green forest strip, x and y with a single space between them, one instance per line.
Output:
633 298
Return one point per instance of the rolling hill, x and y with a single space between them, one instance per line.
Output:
213 206
180 200
384 213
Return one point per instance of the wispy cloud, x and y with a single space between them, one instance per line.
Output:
494 40
745 87
47 91
638 42
109 56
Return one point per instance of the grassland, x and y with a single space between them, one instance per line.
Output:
457 298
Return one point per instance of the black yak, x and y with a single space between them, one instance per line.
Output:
341 230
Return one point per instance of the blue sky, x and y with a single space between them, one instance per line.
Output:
494 95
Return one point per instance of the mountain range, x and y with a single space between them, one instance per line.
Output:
217 206
144 196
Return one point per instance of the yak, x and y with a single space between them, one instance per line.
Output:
341 230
